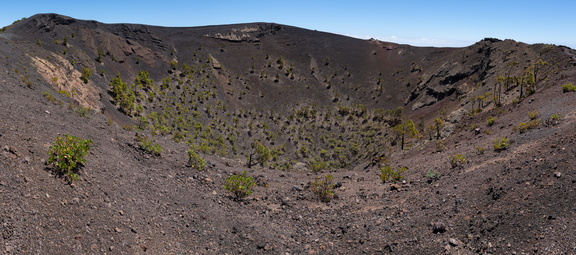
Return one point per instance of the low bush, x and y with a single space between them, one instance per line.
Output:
480 150
533 115
389 173
317 165
556 116
240 185
491 120
85 74
440 145
83 111
457 160
51 98
323 188
501 144
568 88
525 126
432 175
195 161
67 154
148 145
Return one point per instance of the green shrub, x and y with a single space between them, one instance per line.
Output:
457 160
240 185
173 65
124 96
556 116
64 92
480 149
261 154
501 144
67 155
491 120
533 115
99 58
51 98
432 175
83 111
317 165
323 188
389 173
148 145
568 88
525 126
440 145
85 74
195 161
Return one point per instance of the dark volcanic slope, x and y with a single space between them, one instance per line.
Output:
223 88
314 99
240 83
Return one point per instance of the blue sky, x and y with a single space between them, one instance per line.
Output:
417 22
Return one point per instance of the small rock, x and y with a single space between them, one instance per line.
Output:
557 174
390 247
26 159
337 185
261 246
395 186
453 242
118 230
438 228
297 188
300 166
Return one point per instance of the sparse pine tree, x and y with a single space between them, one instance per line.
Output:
406 128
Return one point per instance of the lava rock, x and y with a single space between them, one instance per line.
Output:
297 188
438 228
453 242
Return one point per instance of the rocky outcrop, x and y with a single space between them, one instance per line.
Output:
247 33
442 84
